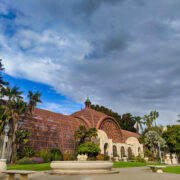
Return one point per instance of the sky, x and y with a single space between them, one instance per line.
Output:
122 54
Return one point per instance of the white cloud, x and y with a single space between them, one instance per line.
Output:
120 55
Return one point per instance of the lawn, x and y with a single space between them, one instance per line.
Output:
172 169
46 166
30 167
131 164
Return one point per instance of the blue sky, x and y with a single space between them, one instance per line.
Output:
123 54
50 99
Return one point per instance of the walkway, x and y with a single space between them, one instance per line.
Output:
137 173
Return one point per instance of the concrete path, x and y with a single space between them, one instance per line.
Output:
137 173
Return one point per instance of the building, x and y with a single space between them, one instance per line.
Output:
53 130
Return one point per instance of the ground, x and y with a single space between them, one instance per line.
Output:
135 173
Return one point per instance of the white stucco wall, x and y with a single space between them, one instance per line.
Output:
131 142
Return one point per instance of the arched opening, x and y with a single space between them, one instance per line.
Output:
122 151
139 150
114 150
106 148
130 154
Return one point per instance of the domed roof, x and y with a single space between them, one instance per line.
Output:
92 117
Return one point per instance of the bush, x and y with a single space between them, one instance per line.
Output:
38 160
148 153
27 152
68 157
100 157
55 154
26 161
92 150
34 160
45 155
103 157
92 159
140 159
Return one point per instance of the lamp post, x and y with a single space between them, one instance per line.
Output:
3 160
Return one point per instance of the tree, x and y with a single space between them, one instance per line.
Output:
154 115
172 137
139 123
33 100
83 135
2 82
126 122
152 138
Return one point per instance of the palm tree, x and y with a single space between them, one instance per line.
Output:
148 121
33 100
2 83
154 115
139 123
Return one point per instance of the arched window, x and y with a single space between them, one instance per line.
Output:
130 154
122 151
106 148
114 150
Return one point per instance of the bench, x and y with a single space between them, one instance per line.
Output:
11 174
155 168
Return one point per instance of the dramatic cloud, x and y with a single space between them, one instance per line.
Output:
122 54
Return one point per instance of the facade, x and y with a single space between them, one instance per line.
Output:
53 130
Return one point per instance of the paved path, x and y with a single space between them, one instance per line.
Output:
137 173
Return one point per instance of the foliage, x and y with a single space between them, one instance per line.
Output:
13 109
172 137
140 159
149 119
139 123
45 155
83 135
100 157
92 150
69 157
55 154
30 167
38 160
148 153
152 138
27 152
26 161
22 137
126 122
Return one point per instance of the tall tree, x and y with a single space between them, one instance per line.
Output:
2 82
139 123
154 115
34 98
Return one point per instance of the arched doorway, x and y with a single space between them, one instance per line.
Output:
106 148
122 151
114 150
130 154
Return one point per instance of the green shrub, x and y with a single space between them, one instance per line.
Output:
92 150
26 161
140 159
69 157
148 153
56 154
104 157
46 155
27 152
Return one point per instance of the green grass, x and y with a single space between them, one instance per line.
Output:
46 166
172 169
30 167
131 164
